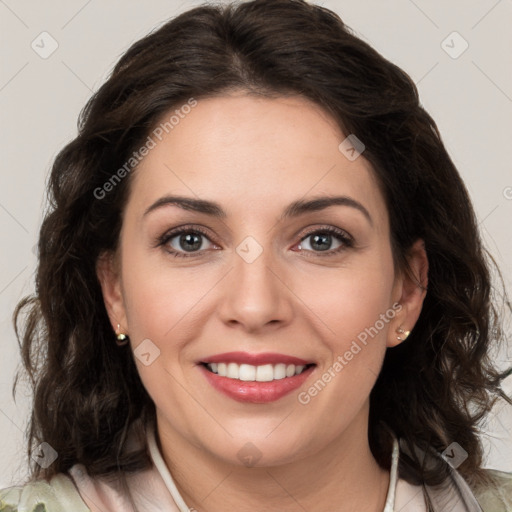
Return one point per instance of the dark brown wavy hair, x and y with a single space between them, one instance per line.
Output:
433 389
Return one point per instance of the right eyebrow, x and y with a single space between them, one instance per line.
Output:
189 203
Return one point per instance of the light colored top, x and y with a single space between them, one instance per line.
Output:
154 490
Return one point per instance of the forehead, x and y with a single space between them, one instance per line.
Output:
251 152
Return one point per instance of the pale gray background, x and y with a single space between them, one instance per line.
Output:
470 98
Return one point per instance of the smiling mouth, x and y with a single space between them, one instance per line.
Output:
260 373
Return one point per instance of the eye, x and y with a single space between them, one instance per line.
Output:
181 241
187 241
321 241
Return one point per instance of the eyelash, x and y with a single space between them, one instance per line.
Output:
347 240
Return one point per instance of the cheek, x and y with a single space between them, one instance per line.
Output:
357 310
158 297
351 298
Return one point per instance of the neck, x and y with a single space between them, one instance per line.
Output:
344 476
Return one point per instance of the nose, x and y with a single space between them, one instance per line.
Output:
256 295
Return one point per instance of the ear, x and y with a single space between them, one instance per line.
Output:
411 290
108 272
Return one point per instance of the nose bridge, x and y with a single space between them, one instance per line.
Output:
252 276
255 294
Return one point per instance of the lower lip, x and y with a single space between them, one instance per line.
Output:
256 392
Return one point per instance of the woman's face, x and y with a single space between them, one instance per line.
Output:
258 284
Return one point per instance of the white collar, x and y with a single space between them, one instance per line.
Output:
164 471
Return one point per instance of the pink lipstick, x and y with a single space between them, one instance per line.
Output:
255 378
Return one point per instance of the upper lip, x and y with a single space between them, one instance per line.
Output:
255 359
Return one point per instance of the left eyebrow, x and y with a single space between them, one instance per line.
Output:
320 203
295 209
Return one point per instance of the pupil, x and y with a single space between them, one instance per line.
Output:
319 239
191 241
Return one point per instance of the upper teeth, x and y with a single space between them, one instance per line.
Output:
248 372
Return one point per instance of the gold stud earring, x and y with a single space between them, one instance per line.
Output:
403 333
121 338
